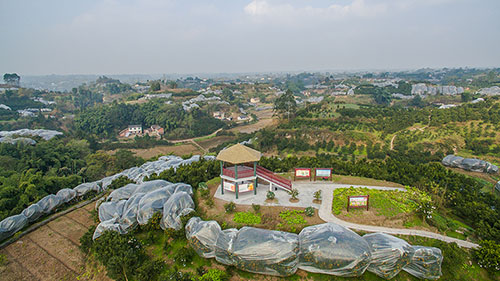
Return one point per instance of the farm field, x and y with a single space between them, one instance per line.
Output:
266 119
179 150
51 252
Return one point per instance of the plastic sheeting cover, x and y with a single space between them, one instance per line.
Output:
151 186
83 188
110 210
11 225
179 187
123 192
425 263
469 164
33 212
265 251
224 246
389 254
49 203
66 194
153 202
128 219
107 225
333 249
202 236
177 206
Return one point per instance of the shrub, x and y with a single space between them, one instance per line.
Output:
309 211
3 259
293 217
175 234
175 274
317 195
205 193
120 254
210 202
247 218
120 182
230 207
184 256
86 241
270 195
256 208
214 274
153 223
294 193
488 256
149 270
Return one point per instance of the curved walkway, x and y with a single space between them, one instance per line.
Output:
325 213
306 191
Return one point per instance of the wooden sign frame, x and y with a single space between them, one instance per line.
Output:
361 206
301 169
330 177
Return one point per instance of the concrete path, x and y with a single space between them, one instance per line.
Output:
325 213
306 191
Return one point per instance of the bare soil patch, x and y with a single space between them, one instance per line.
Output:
266 119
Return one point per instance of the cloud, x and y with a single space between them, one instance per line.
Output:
265 9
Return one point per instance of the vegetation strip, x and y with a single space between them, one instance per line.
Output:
44 222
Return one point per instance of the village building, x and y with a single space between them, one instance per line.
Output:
154 131
137 130
132 130
243 118
219 115
254 100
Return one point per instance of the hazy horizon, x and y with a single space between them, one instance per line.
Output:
154 37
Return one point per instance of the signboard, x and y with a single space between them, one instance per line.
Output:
324 173
242 187
302 173
359 201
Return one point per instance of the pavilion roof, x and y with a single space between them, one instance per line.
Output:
239 154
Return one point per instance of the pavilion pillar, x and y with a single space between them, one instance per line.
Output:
236 178
255 175
221 178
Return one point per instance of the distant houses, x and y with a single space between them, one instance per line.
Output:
243 118
222 116
137 130
255 100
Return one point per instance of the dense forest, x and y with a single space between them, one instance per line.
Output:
108 120
28 173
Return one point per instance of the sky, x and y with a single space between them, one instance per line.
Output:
236 36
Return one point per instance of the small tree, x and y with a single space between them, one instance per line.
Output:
270 195
230 207
317 195
155 86
425 209
256 208
488 255
286 104
309 211
294 193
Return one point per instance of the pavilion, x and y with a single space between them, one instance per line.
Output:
238 169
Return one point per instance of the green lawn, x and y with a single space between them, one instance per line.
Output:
386 203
